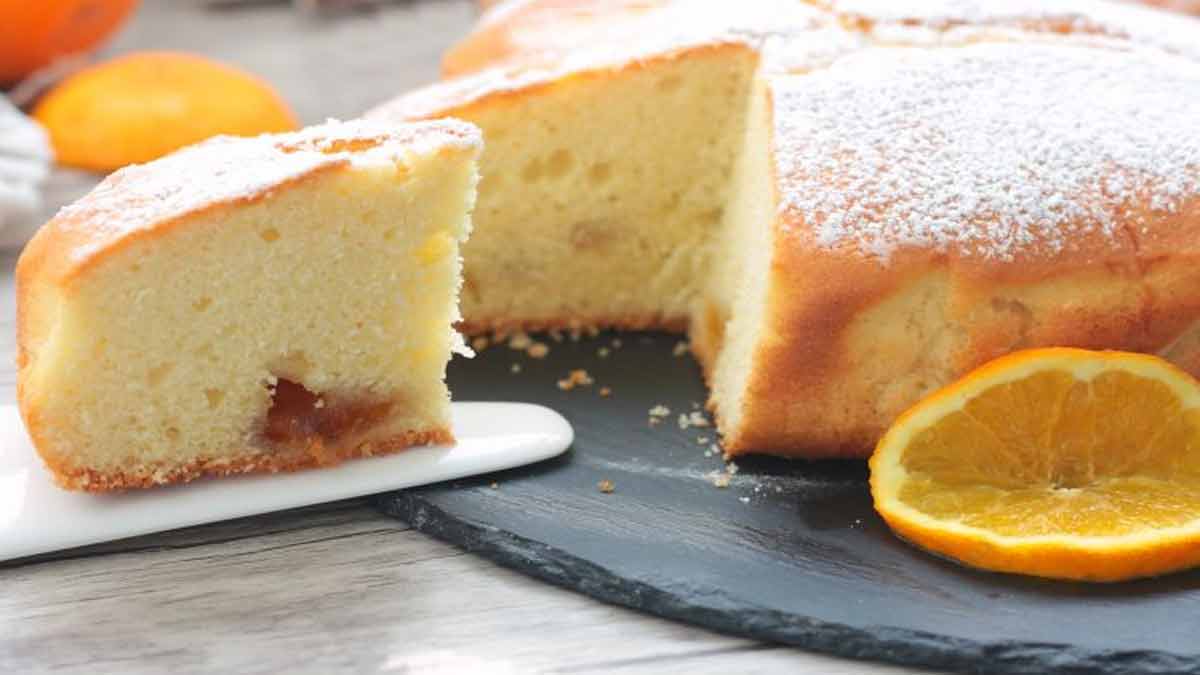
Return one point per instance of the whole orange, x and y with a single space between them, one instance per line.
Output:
33 33
143 105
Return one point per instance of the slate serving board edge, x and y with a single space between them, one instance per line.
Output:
882 643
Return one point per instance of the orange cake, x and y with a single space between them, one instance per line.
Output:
248 305
851 202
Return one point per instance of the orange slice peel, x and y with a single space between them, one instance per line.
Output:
1059 463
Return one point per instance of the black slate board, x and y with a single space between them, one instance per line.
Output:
790 552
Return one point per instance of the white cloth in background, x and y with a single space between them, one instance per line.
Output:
25 159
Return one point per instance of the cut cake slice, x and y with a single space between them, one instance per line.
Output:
248 305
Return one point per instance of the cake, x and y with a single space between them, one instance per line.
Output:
928 210
848 203
248 305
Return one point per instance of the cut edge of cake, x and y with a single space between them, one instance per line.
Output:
618 171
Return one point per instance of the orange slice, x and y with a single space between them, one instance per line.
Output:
1060 463
140 107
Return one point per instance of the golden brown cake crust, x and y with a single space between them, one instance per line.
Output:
807 398
254 461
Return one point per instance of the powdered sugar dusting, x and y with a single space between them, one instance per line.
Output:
546 42
987 150
227 170
945 13
1146 26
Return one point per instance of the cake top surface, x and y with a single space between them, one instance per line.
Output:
985 151
227 170
1076 14
1146 26
524 44
542 32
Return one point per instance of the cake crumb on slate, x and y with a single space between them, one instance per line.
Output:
515 368
719 479
658 413
520 341
605 392
538 350
575 378
603 352
693 419
480 343
681 348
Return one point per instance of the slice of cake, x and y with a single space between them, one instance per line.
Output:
248 305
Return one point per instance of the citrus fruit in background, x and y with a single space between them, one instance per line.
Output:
144 105
33 33
1060 463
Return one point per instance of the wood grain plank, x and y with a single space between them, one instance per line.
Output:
354 591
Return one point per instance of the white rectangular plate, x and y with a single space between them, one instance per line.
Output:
38 517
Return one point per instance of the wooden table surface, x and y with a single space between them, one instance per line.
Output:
339 587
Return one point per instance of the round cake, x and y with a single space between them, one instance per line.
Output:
849 202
